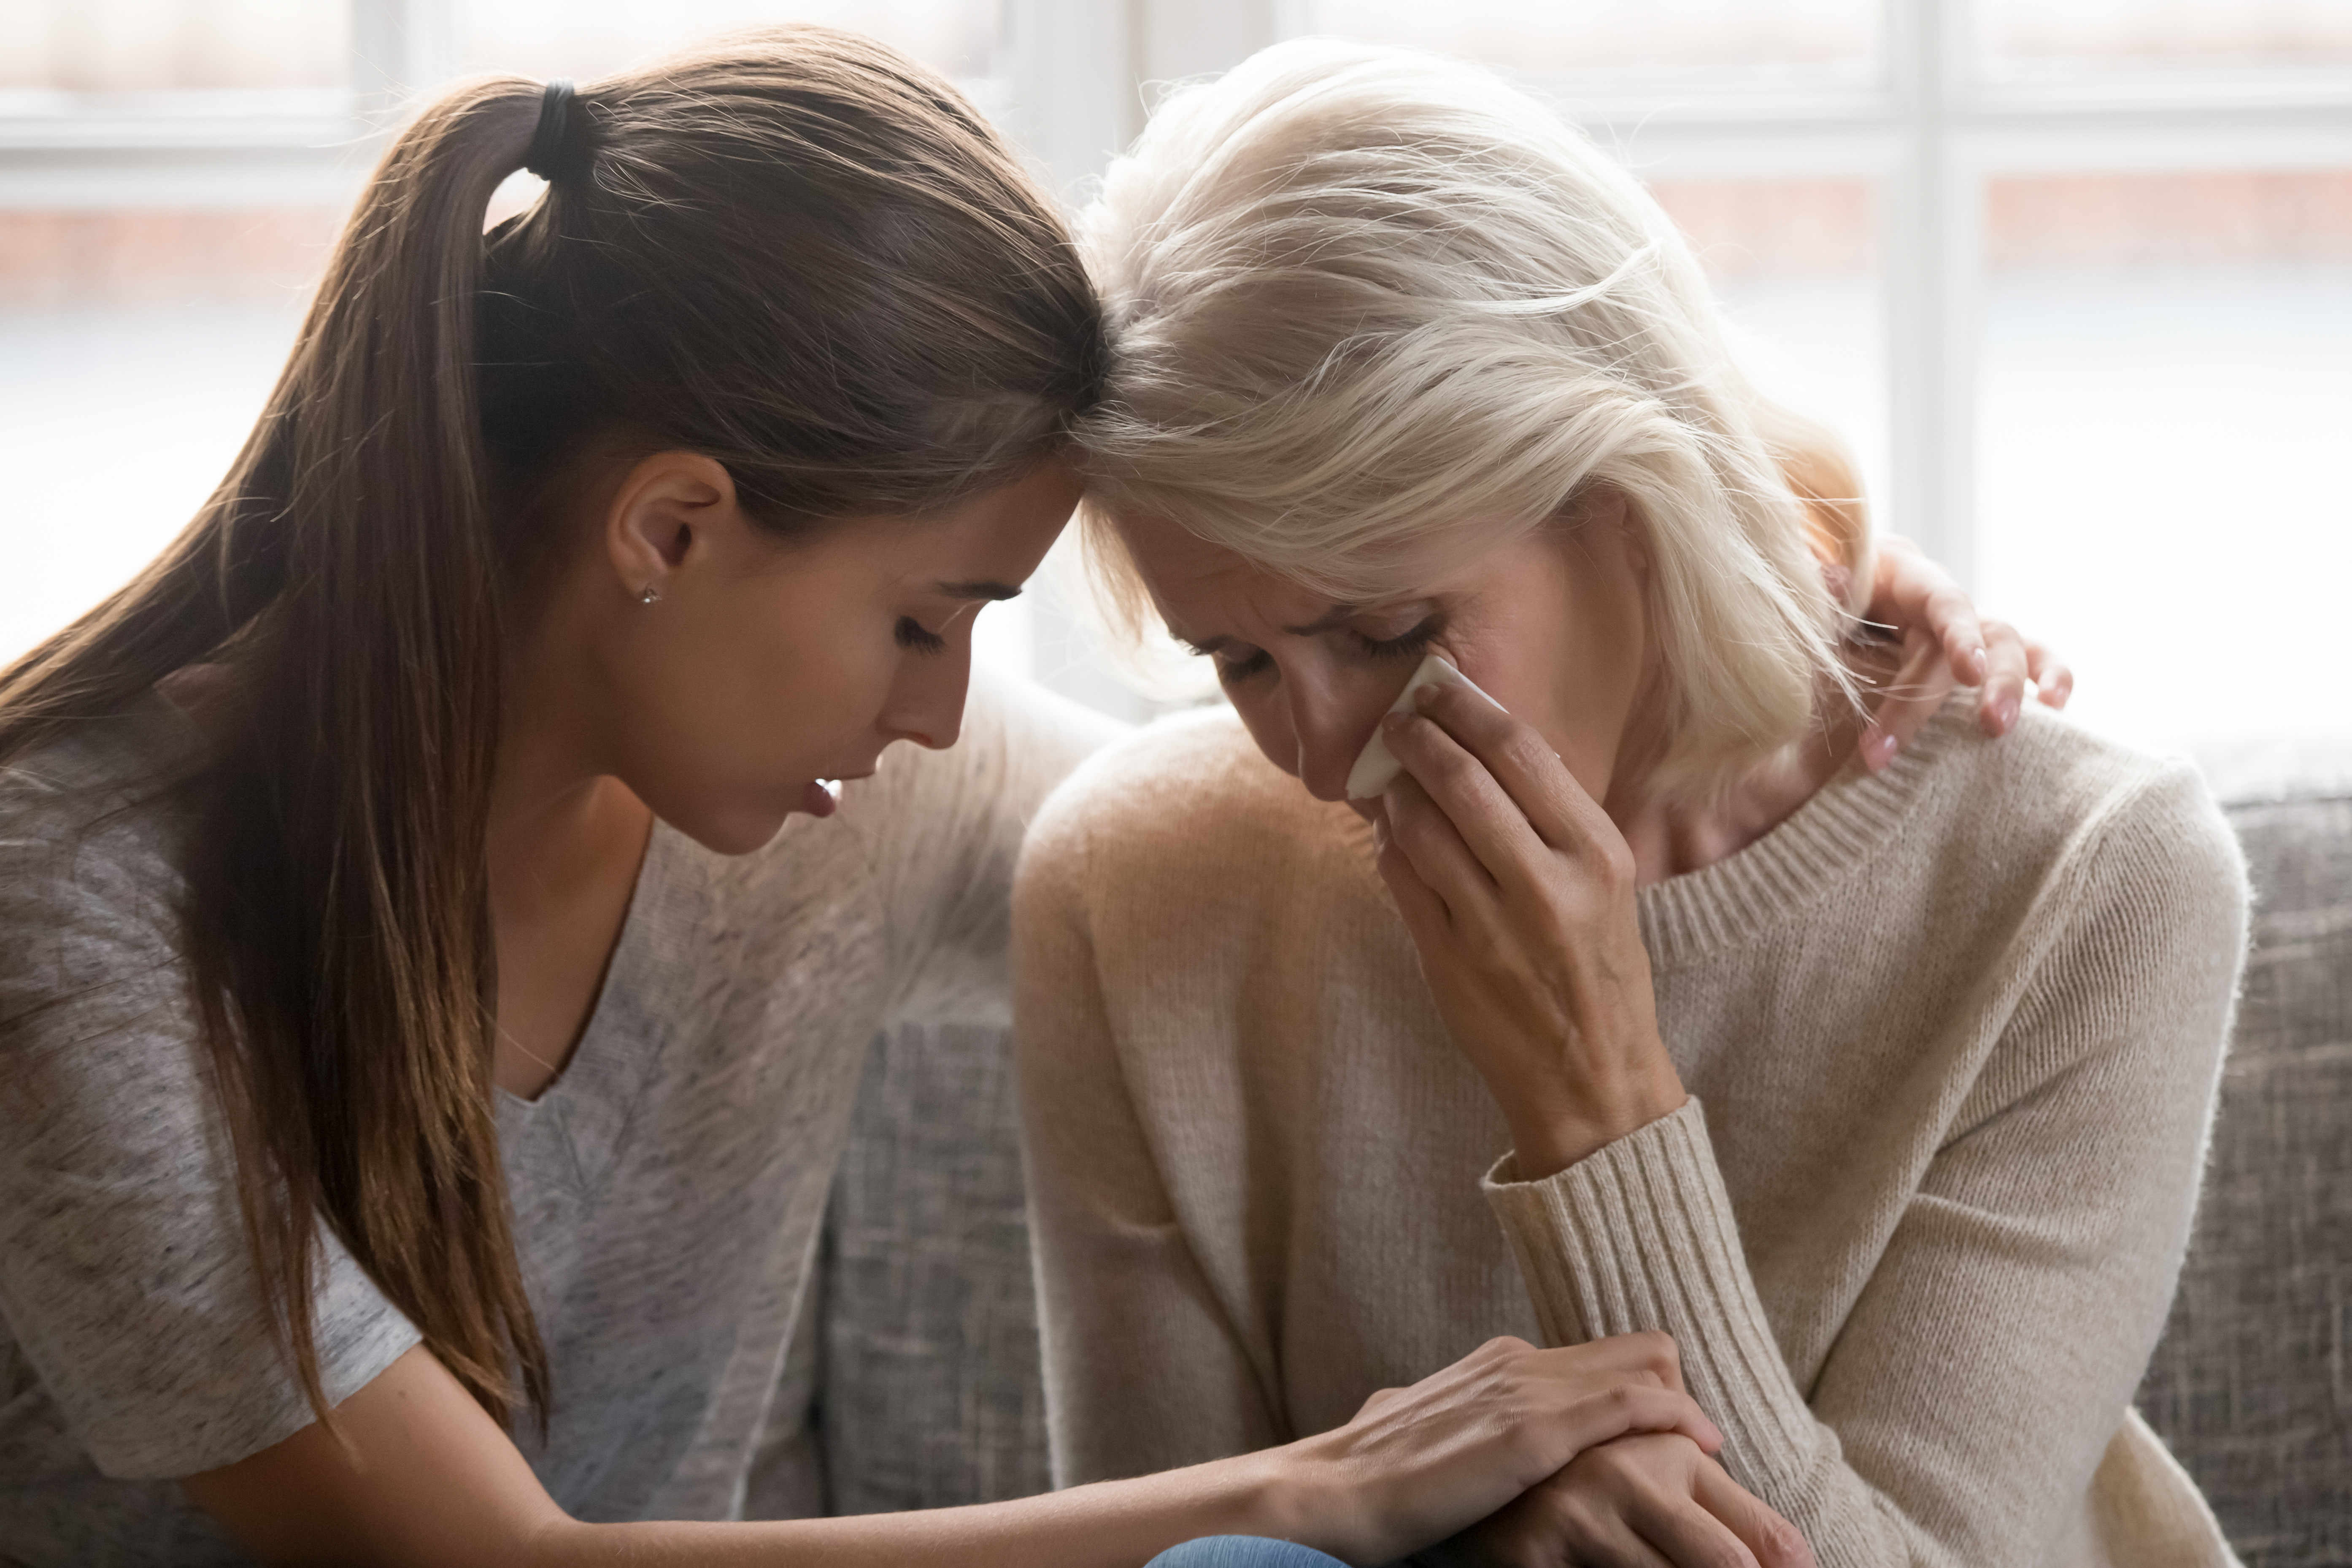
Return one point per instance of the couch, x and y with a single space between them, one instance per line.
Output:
914 1382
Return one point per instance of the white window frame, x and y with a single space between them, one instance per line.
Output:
1927 126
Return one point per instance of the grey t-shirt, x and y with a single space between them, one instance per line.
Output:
666 1189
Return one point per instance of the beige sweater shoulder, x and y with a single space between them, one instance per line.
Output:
1952 1033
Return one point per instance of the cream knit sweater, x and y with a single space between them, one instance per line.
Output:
1955 1029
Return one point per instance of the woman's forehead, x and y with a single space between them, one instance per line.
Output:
1205 590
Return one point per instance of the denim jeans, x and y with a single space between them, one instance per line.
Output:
1241 1552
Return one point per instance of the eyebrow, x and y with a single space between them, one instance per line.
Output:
982 590
1336 616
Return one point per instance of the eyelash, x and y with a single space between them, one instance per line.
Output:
1412 642
911 634
1233 672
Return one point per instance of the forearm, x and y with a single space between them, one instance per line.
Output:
419 1475
1639 1237
1968 1398
1110 1524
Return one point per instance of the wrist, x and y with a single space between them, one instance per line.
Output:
1545 1140
1287 1494
1307 1492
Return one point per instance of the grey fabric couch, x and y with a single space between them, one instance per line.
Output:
915 1381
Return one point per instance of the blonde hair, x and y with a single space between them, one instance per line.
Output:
1374 314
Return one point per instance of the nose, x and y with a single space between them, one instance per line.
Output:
926 702
1329 733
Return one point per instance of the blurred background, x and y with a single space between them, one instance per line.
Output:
2075 277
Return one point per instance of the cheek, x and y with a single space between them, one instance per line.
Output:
786 685
1268 720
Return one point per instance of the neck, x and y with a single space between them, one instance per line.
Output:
557 816
1673 840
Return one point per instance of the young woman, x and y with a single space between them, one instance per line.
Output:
1402 365
430 997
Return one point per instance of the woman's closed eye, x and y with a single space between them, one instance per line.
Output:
1237 665
1406 645
1239 662
913 633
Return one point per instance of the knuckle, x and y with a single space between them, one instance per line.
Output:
1411 830
1454 772
1784 1544
1523 748
1614 867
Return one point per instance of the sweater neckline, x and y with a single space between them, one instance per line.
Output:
1688 918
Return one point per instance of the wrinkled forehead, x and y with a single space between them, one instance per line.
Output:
1203 588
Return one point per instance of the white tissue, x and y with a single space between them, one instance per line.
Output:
1376 765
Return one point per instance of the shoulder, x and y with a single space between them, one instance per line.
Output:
2085 813
91 830
2098 884
1187 803
92 886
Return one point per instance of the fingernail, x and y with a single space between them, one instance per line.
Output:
1978 664
1396 722
1878 749
2006 714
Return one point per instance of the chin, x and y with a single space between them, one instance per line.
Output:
739 830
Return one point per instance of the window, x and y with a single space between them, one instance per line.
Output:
2073 276
172 175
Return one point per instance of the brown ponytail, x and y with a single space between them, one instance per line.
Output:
792 251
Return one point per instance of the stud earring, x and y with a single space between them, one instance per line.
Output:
652 595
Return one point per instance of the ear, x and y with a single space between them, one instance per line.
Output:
662 516
1602 512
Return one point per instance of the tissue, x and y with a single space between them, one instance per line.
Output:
1376 765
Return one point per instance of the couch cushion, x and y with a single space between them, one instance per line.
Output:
914 1379
2252 1386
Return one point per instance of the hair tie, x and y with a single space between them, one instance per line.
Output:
546 158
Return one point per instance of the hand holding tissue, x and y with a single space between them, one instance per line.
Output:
1376 765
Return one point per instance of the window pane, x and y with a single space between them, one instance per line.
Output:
2164 406
1794 261
588 39
135 350
1611 35
2177 33
123 46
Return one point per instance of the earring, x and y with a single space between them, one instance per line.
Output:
652 595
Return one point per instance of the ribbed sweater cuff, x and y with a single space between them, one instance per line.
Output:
1640 1236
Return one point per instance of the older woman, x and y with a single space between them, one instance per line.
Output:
1881 1090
